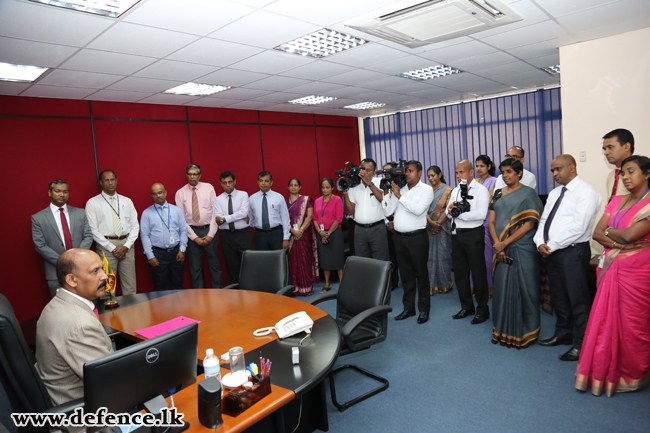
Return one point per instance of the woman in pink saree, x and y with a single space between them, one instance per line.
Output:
615 354
303 259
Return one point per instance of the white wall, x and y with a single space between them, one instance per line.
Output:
605 84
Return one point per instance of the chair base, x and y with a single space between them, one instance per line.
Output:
342 407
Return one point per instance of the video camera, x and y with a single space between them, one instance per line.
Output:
395 174
463 205
348 179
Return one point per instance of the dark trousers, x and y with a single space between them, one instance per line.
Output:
168 270
568 276
468 255
269 240
413 252
371 242
233 245
195 256
394 277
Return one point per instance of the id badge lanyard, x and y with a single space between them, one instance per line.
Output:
168 225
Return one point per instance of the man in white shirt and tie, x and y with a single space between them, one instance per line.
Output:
468 245
113 221
231 213
527 178
269 216
563 239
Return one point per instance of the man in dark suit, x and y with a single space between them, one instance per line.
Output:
58 228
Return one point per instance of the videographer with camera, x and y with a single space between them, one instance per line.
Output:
364 202
410 205
469 206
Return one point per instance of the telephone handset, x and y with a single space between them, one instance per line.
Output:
290 325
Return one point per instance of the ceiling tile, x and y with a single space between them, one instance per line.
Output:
453 53
558 8
89 80
280 97
403 64
605 15
479 62
198 17
40 91
525 36
315 88
21 52
117 95
394 84
213 102
243 94
348 92
141 40
105 61
355 77
9 88
251 105
169 99
542 48
172 70
317 70
365 55
502 70
231 77
276 83
213 52
336 10
136 84
271 62
475 86
544 61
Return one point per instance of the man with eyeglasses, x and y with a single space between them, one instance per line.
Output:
527 179
196 200
164 237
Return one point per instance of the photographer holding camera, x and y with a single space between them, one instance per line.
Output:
364 202
468 211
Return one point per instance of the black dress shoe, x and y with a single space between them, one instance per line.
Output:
480 318
423 318
404 314
463 313
571 355
554 341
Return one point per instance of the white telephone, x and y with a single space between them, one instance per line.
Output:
290 325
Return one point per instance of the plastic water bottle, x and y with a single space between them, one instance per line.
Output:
211 365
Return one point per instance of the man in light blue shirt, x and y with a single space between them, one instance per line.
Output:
164 237
269 216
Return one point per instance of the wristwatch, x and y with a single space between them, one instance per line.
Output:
607 230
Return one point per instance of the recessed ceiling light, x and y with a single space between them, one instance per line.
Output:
364 105
553 70
107 8
312 100
194 89
321 43
429 73
20 73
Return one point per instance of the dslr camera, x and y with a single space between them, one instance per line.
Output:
394 174
463 205
348 178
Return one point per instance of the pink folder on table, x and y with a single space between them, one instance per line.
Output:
161 328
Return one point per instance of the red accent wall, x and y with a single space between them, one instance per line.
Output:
47 139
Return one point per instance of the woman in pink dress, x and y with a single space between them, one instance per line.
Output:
303 260
328 214
615 354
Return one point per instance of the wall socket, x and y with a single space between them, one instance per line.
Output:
583 156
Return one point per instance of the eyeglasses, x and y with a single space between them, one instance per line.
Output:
193 174
512 156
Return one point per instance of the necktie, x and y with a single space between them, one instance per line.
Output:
196 215
265 214
230 225
66 230
549 220
615 187
96 312
117 226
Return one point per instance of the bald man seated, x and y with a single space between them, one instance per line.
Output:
68 333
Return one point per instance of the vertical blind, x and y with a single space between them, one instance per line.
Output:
443 136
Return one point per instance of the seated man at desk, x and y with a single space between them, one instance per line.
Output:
68 333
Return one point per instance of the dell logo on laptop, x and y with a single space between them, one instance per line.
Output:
152 355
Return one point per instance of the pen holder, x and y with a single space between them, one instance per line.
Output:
237 400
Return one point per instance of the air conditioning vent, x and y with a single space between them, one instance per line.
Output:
415 23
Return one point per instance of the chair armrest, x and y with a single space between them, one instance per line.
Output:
66 408
286 290
322 298
232 286
357 320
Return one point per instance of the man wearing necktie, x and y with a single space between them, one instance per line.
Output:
617 145
563 239
231 213
164 237
269 216
58 228
196 200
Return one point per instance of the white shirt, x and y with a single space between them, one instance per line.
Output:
100 219
57 218
478 206
574 219
367 209
411 208
278 212
240 207
527 179
84 300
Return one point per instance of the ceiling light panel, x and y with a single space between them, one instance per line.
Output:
312 100
321 43
553 70
20 73
429 73
194 89
106 8
364 106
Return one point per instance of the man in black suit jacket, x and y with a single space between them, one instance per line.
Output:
52 237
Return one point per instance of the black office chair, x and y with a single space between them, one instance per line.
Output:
21 382
264 271
363 304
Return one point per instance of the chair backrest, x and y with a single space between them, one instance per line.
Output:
19 378
365 284
264 271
